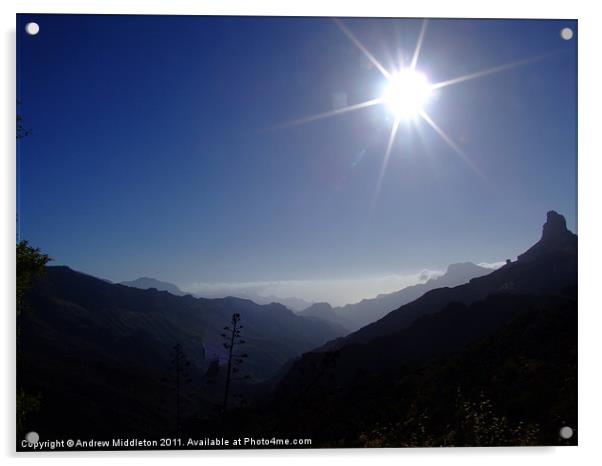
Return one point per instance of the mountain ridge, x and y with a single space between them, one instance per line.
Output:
357 315
146 283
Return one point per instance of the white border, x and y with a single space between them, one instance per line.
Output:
590 231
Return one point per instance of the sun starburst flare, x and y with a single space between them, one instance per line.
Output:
406 94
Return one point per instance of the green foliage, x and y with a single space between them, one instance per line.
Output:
31 263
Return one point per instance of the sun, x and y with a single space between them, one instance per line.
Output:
407 93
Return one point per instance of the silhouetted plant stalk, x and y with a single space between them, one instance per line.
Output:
232 340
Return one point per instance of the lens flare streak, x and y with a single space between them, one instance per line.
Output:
419 44
338 111
489 71
361 46
449 141
383 168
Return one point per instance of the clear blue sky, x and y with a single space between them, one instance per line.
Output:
156 149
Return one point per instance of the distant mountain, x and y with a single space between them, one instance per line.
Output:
293 303
146 283
105 349
320 310
355 316
325 312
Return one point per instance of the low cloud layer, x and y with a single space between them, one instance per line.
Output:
491 265
336 292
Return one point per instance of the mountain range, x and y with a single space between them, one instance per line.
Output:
349 317
357 315
146 283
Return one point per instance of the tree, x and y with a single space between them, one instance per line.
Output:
233 338
31 263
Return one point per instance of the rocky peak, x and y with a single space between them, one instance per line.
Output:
555 238
555 226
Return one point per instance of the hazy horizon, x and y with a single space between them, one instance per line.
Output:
336 291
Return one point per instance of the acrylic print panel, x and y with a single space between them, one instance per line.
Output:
269 232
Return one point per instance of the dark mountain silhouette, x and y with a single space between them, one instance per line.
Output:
99 353
355 316
548 266
527 309
555 239
325 311
146 283
292 302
